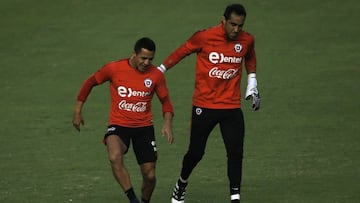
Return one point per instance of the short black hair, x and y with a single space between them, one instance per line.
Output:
238 9
145 43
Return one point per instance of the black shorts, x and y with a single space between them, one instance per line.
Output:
142 139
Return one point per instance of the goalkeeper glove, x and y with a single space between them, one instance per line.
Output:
252 91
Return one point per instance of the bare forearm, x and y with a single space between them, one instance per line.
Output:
168 116
78 107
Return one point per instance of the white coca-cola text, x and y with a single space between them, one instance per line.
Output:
222 74
134 107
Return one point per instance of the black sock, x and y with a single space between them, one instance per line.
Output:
182 183
144 201
234 190
130 194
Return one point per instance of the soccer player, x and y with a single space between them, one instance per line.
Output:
221 52
132 82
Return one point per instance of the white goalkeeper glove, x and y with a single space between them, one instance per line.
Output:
162 68
252 91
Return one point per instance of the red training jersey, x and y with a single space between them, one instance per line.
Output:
218 66
131 93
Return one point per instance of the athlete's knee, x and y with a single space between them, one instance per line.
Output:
148 172
150 179
115 158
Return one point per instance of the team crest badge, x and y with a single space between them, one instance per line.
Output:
147 82
237 48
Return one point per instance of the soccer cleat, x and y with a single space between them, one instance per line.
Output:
178 195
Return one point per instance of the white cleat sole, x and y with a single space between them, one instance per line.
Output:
177 201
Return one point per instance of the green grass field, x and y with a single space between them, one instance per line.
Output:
302 146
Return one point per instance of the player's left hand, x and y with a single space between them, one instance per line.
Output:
252 91
167 130
255 100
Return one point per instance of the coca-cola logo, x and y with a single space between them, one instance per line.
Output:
134 107
222 74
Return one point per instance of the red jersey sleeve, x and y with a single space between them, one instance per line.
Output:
163 95
193 44
86 88
97 78
103 74
250 57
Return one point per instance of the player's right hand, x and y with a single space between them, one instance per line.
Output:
77 121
